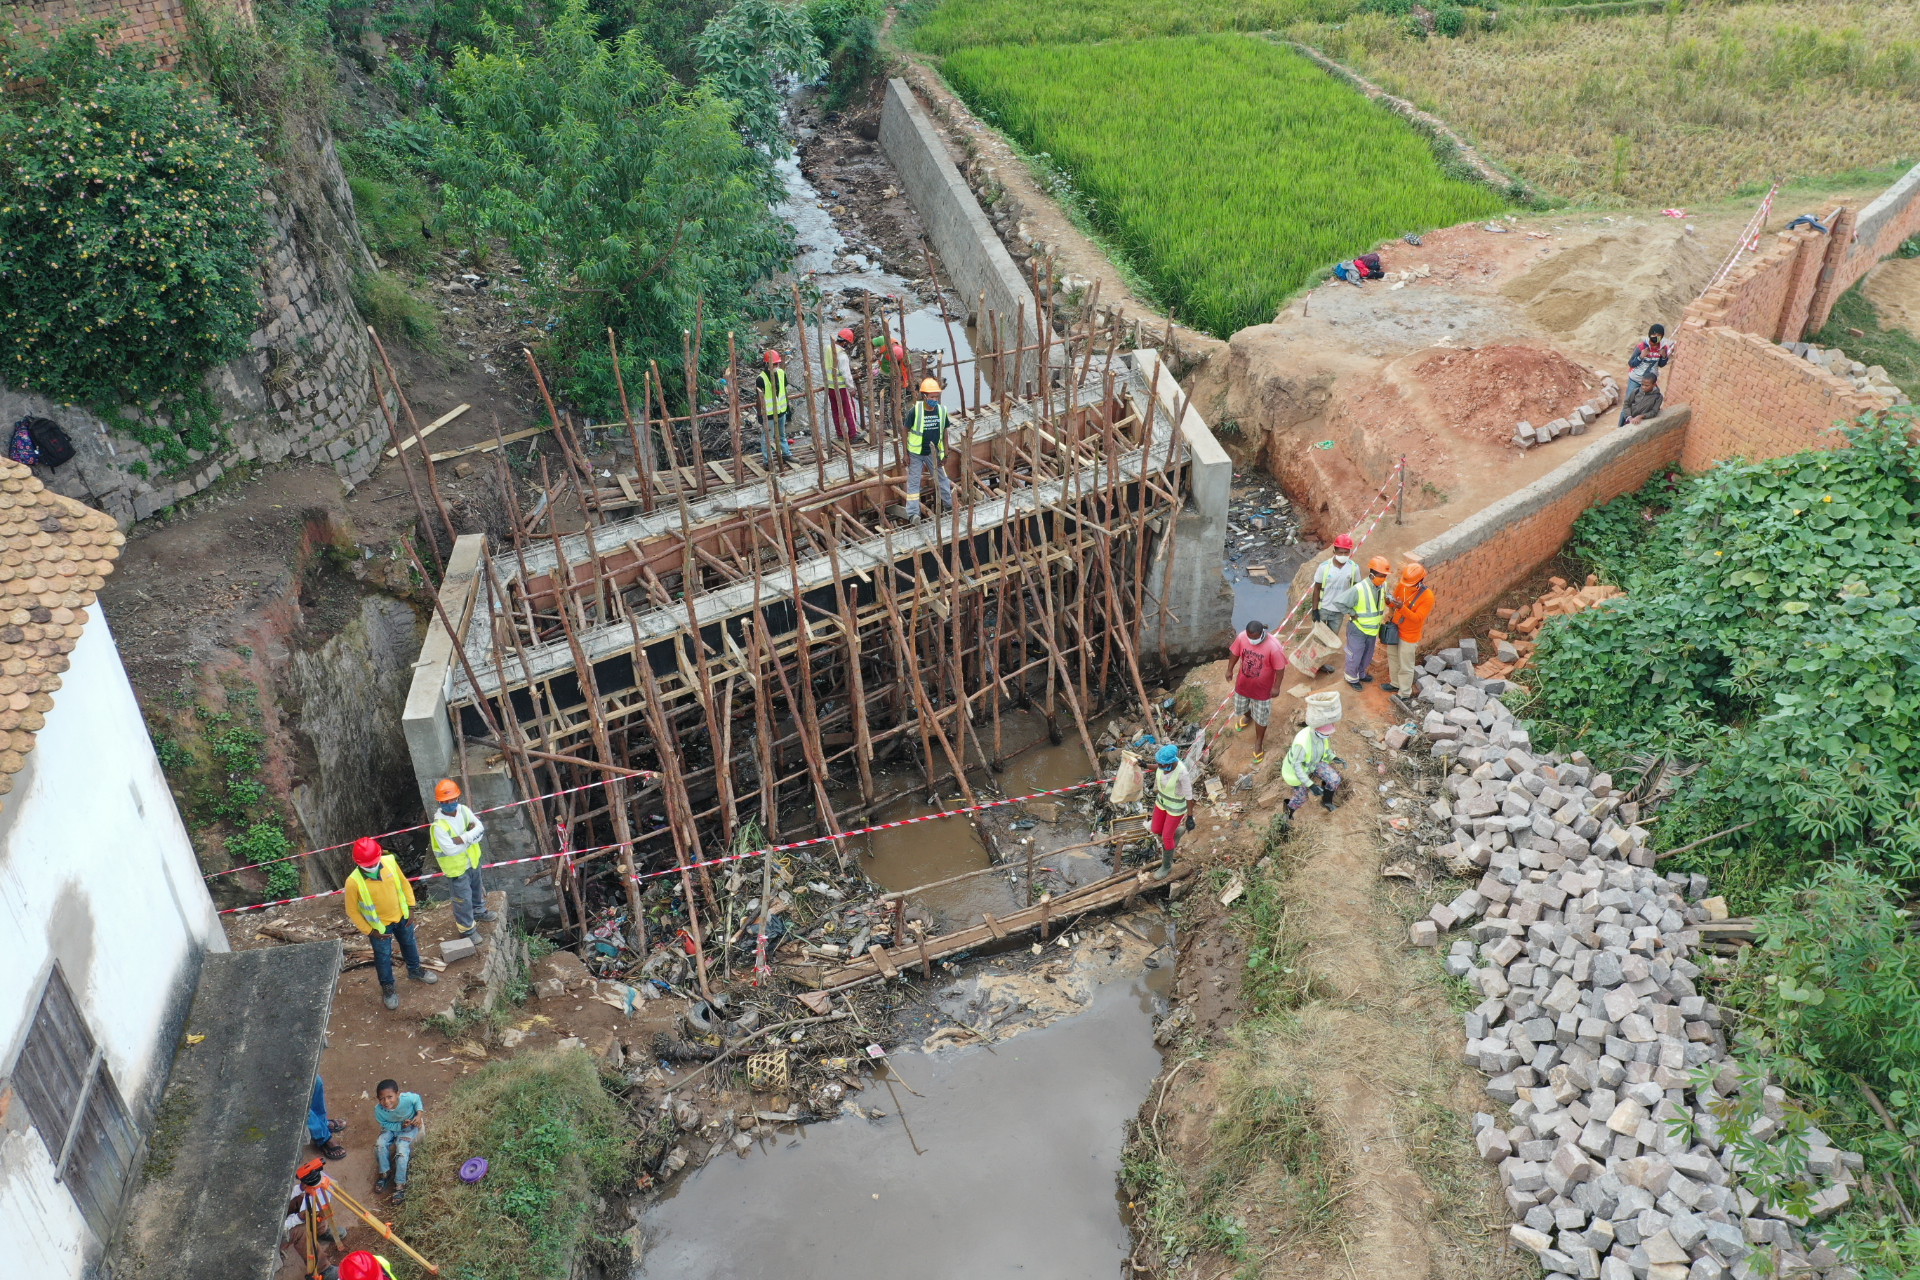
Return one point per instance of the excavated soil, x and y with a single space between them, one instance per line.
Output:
1486 390
1893 288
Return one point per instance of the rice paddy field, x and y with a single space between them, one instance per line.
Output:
1227 169
941 26
1663 109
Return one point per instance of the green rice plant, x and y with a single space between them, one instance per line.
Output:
1231 170
942 28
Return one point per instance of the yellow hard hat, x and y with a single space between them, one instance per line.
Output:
929 387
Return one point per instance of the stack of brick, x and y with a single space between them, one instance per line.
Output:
1589 1026
1575 423
1514 646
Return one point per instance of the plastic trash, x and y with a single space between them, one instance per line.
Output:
473 1170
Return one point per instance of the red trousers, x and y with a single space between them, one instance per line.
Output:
840 407
1167 826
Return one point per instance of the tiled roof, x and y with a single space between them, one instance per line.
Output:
54 555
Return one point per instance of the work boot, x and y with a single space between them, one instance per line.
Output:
488 916
427 976
1326 802
1391 688
913 513
1166 865
389 997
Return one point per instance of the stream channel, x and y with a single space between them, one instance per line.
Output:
985 1160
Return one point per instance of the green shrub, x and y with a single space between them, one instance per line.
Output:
849 36
1449 20
131 215
395 311
745 51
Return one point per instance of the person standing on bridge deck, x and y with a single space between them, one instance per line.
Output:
1369 612
1173 796
776 414
836 364
456 833
1333 589
927 439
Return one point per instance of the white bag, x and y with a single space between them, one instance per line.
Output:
1323 708
1128 784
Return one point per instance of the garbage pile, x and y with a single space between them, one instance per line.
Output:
1590 1026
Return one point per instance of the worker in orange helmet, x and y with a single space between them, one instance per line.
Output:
1407 611
836 363
361 1265
379 903
1369 614
927 447
455 833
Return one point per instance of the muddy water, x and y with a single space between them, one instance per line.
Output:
1010 1168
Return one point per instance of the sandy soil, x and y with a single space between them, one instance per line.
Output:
1893 288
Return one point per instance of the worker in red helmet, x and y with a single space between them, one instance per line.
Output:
837 364
1335 584
455 834
773 409
379 903
361 1265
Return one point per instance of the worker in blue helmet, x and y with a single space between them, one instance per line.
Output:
1173 796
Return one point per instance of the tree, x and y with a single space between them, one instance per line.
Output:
745 50
624 195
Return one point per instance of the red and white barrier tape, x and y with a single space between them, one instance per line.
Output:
712 862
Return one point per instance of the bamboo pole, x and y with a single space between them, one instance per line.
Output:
642 458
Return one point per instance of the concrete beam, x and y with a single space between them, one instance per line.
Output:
1200 603
429 732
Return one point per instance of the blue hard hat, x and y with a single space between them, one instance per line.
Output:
1167 755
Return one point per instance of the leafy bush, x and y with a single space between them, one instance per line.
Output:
625 195
1449 20
1771 627
745 50
131 216
273 70
1230 170
264 842
848 32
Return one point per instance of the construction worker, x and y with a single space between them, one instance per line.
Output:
1172 796
1407 611
320 1128
1259 659
361 1265
927 438
891 360
837 365
456 833
1308 768
379 901
776 414
1369 611
1333 588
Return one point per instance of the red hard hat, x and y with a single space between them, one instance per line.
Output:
772 357
366 852
361 1265
845 335
1343 543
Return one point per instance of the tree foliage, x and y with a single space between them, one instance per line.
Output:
745 50
131 211
625 195
1771 627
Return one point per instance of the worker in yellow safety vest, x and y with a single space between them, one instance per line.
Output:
456 833
1308 768
1173 796
836 366
1369 611
379 903
776 414
927 439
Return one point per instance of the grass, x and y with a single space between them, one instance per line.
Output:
1695 104
554 1140
963 24
1230 170
1893 349
395 311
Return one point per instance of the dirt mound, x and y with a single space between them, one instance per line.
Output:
1893 288
1603 294
1484 391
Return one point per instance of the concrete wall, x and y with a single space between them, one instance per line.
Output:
975 259
98 873
1471 564
1200 603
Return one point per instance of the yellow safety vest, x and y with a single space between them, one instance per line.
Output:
833 370
917 430
1166 791
1310 749
1369 606
773 390
370 913
453 862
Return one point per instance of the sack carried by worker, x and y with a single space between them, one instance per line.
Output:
1323 708
1128 784
1315 649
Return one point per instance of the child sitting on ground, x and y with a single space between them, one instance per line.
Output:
399 1116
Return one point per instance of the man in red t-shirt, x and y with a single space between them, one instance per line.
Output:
1258 662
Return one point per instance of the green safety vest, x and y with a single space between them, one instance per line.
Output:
773 389
1310 749
1166 791
1369 606
917 431
368 911
453 862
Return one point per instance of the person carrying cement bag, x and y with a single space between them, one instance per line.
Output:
1173 796
1335 586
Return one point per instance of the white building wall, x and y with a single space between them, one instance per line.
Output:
97 872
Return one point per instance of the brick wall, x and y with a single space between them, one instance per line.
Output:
163 22
1753 399
1472 563
1868 235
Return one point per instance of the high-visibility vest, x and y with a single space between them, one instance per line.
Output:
773 390
1310 749
833 364
917 430
1369 606
454 862
370 913
1336 583
1166 791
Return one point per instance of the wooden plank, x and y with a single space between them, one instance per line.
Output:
429 429
491 445
878 954
993 926
626 487
755 467
725 476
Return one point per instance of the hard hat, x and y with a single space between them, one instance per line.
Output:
879 341
1166 755
1380 565
361 1265
446 789
772 357
1413 572
1343 543
845 335
929 387
1324 730
366 852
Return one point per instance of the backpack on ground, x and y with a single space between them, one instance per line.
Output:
20 447
53 443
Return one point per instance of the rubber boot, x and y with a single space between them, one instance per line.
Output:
428 976
389 997
1166 865
1326 802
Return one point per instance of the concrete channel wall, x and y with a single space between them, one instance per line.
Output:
976 261
1199 601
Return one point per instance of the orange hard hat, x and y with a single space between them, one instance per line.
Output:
772 357
1379 565
361 1265
446 789
845 335
929 387
1343 543
1414 571
366 852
